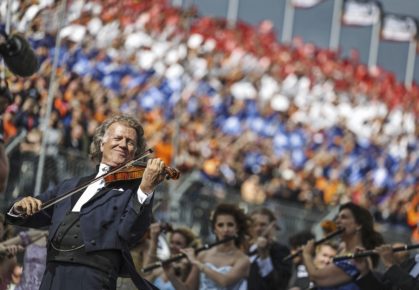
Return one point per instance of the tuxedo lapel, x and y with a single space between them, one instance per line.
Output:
75 197
99 194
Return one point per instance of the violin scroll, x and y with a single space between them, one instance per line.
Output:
172 173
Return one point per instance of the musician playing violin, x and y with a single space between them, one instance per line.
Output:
90 233
267 270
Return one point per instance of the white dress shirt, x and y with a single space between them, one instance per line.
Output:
96 186
265 265
415 270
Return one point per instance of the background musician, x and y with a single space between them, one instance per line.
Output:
323 257
34 260
224 266
357 223
267 270
399 275
324 254
179 238
299 279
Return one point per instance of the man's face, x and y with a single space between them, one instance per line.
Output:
259 224
118 145
324 256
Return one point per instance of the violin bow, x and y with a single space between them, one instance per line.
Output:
57 199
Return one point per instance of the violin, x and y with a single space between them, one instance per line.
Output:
136 171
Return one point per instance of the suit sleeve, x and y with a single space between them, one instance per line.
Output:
372 281
401 279
135 220
282 270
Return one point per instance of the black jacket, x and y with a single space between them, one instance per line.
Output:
395 278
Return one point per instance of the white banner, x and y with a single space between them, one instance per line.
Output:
360 13
398 28
305 3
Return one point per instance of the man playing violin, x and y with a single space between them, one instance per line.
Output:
267 270
90 233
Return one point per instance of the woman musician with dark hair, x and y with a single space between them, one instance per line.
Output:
358 232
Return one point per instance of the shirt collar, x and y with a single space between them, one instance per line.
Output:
103 168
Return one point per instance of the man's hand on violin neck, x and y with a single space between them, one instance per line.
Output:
153 175
27 206
263 246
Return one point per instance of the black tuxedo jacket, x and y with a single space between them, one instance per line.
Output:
395 278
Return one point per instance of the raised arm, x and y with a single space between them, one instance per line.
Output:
328 276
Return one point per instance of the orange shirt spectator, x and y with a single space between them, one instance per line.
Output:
413 218
164 151
330 189
9 127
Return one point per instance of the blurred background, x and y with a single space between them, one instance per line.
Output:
314 24
296 105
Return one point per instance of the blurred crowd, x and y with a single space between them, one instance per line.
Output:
294 122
